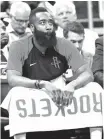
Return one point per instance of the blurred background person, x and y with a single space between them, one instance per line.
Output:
74 32
97 66
4 38
19 19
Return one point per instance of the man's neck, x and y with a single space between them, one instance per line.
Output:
39 47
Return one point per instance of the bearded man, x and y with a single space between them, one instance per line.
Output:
36 60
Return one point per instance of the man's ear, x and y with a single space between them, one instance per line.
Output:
32 27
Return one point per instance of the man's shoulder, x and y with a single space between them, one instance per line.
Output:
24 40
65 47
22 46
64 43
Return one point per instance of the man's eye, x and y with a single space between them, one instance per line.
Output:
42 22
60 14
73 41
80 41
68 12
21 21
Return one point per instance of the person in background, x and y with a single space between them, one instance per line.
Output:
98 72
97 66
64 12
36 60
4 38
19 19
74 32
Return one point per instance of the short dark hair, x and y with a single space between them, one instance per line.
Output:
32 4
75 27
34 12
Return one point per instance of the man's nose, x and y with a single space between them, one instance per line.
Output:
65 16
24 24
48 26
76 44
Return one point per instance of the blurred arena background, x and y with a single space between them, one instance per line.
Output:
90 13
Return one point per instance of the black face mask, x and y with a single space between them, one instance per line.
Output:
45 39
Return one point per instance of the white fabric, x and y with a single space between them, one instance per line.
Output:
46 116
89 41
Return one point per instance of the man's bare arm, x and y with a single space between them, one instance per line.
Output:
84 76
15 78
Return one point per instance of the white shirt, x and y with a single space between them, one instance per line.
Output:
89 41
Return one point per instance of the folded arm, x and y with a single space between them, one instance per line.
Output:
83 77
15 78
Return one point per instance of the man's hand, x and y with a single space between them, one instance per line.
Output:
59 97
54 92
68 94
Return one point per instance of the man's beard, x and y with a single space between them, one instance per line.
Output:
45 39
